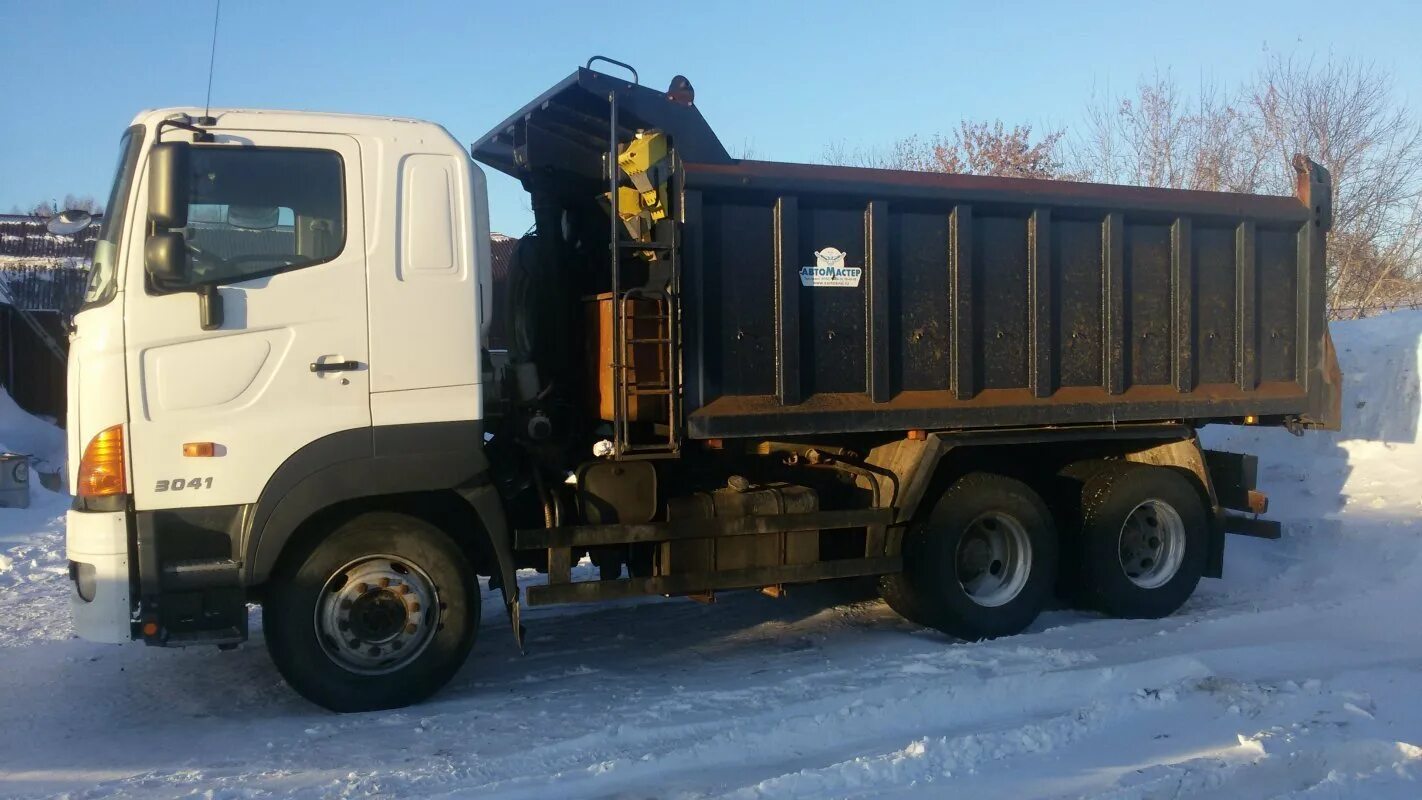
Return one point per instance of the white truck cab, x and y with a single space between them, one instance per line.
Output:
308 327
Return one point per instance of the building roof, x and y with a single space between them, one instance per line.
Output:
43 271
501 250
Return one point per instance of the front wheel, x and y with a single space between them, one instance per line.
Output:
378 614
983 563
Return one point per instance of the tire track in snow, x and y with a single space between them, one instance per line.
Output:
934 758
682 758
1281 764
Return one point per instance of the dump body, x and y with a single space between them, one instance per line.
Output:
822 299
965 301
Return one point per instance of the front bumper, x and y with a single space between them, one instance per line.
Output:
99 598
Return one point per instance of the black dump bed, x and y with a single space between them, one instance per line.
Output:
821 299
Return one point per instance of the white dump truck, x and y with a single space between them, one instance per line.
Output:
724 374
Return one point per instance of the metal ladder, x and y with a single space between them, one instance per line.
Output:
628 385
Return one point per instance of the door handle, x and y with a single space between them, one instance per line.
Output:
334 366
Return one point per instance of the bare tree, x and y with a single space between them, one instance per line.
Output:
1160 137
47 208
1342 114
975 148
1345 116
83 203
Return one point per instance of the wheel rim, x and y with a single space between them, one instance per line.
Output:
377 614
1152 544
994 559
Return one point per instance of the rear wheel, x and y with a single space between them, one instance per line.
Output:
982 564
1141 548
379 614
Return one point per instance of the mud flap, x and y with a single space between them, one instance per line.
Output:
485 501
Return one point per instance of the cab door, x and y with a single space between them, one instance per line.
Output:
275 224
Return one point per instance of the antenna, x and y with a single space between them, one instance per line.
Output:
211 60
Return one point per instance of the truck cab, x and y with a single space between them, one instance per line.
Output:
293 320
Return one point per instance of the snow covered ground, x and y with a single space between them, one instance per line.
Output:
1298 675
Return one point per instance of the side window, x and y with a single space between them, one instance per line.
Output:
257 211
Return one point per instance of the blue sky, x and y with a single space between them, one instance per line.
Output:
783 79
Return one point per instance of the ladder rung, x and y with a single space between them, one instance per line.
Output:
649 341
643 392
645 246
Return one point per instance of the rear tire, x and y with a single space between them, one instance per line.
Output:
1141 546
378 614
983 564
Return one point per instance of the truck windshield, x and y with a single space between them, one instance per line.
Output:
101 277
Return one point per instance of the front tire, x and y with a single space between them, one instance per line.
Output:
983 564
378 614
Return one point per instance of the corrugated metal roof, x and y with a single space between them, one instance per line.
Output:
501 247
43 271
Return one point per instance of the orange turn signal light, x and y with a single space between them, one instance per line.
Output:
101 471
199 449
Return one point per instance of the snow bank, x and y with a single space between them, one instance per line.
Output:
22 432
1373 466
1381 359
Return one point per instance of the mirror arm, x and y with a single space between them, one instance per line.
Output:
209 307
199 134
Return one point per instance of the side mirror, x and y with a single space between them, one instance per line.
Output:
168 173
165 255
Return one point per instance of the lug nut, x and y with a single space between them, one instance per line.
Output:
384 583
362 588
375 651
403 588
354 644
415 606
411 628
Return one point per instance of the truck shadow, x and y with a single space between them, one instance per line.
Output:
651 640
